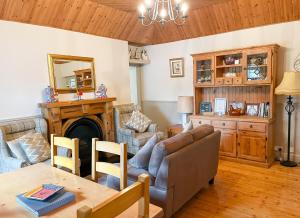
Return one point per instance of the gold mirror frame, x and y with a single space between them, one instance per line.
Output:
52 57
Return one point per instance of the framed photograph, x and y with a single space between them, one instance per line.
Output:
220 106
241 106
252 109
205 107
177 67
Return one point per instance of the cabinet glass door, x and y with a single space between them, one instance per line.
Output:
257 66
204 71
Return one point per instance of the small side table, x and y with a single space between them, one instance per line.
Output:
174 130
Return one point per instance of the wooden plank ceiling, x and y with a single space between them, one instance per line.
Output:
118 18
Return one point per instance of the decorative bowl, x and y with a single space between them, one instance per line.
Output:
229 60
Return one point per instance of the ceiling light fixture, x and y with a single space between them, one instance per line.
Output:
163 11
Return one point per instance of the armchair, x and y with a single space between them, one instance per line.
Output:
12 130
134 140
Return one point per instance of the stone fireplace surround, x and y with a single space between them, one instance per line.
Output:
84 119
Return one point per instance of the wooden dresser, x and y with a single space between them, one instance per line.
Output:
247 139
61 115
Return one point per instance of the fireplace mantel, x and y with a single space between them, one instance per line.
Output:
60 115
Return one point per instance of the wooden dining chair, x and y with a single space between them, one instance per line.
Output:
109 168
118 203
71 163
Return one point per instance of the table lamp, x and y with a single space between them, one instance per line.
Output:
185 106
289 86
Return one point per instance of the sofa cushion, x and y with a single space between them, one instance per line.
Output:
201 131
187 127
167 147
36 147
132 176
16 150
19 126
138 122
142 157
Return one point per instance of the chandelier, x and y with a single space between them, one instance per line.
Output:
163 11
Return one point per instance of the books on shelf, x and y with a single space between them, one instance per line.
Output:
264 109
42 207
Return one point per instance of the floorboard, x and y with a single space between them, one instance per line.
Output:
246 191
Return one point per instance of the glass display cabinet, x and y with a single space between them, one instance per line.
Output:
203 71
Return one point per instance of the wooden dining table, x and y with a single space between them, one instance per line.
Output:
87 192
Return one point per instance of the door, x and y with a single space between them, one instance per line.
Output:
257 65
252 146
135 84
204 70
228 143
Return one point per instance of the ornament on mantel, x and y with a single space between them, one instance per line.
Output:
50 95
79 94
101 91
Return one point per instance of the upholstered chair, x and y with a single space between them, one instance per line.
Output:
134 140
12 130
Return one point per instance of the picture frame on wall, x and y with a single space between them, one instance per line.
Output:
176 67
220 106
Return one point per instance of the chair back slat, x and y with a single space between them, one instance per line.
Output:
107 168
109 147
117 204
64 162
64 142
71 163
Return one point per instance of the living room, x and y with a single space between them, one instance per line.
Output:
202 106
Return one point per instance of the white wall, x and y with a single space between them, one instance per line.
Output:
24 70
157 73
157 86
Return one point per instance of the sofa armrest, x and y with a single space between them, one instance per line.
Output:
126 132
41 127
11 164
152 128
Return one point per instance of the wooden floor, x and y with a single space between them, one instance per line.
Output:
247 191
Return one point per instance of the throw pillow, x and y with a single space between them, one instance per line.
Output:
138 122
142 157
16 150
187 127
36 147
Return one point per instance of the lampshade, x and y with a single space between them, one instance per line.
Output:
185 104
290 84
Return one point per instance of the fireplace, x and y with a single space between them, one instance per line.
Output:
85 129
84 119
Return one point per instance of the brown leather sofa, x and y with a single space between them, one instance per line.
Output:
179 167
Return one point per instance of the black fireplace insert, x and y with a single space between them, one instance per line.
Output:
85 129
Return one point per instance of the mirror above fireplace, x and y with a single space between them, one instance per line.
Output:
71 73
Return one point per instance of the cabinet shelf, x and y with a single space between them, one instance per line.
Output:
204 70
262 65
229 66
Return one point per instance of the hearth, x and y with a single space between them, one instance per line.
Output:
85 129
